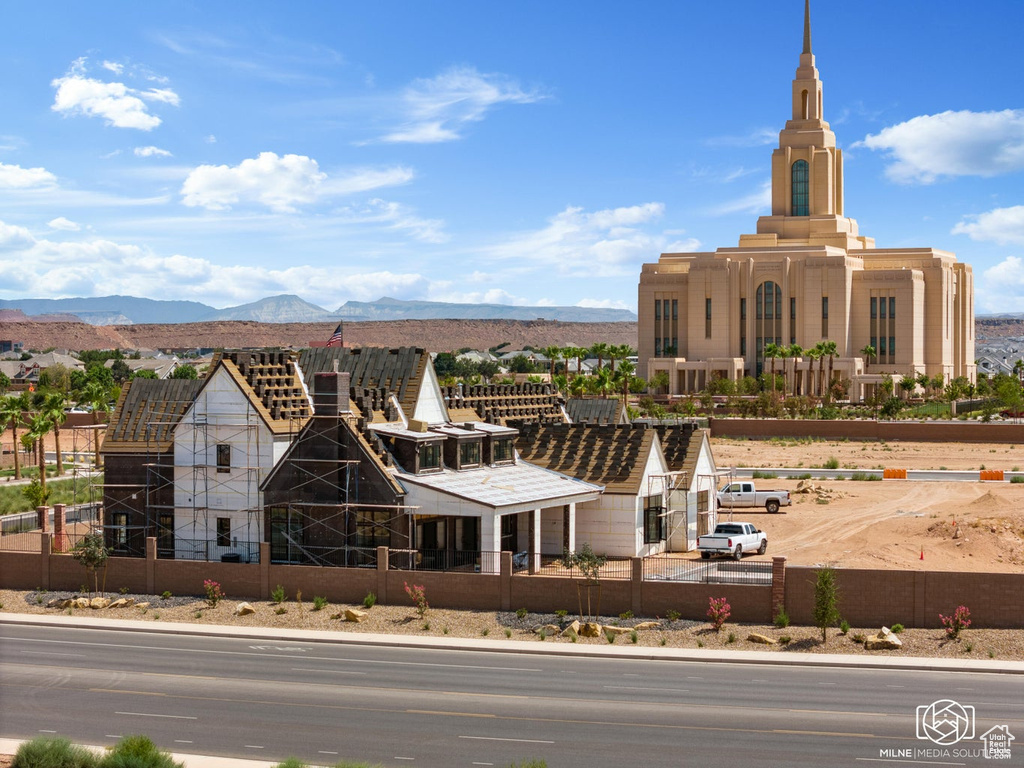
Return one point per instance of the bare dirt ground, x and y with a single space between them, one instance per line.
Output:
889 523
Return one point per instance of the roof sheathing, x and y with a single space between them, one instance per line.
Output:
610 455
271 383
146 414
500 403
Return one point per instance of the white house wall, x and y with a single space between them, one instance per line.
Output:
430 405
608 524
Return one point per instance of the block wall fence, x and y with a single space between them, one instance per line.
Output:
855 429
868 598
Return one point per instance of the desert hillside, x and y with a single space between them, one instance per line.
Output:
433 335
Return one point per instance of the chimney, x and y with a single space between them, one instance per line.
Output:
330 393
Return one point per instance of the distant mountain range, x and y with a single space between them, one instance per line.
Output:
129 310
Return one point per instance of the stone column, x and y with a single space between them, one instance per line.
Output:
383 563
44 518
534 527
60 538
778 595
506 580
151 565
636 585
264 570
44 560
490 541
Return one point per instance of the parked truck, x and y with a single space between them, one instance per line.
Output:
743 494
733 539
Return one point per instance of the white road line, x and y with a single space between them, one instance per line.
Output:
332 671
404 758
638 688
254 746
483 763
113 736
496 738
694 678
148 714
182 741
325 752
50 653
895 686
826 683
43 730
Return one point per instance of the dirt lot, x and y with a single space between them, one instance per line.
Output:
888 524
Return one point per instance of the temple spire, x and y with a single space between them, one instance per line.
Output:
807 26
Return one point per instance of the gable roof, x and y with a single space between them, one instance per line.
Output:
401 370
681 444
272 384
146 414
595 410
614 456
500 403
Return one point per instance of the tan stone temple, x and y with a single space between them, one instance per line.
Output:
806 276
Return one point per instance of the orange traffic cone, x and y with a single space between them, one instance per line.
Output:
922 554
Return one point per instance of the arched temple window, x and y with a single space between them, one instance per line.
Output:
767 321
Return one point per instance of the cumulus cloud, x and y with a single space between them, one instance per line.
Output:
1001 287
116 103
16 177
12 237
952 144
113 66
602 243
64 225
280 183
437 109
152 152
604 304
1002 225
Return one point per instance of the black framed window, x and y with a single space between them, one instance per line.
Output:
654 521
223 457
223 531
469 454
430 456
502 449
801 188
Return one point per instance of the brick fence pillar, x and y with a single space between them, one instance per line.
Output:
44 560
60 539
383 561
636 579
778 585
44 518
150 565
264 570
506 581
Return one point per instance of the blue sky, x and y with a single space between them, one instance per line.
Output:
521 153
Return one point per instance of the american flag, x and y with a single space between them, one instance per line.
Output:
336 337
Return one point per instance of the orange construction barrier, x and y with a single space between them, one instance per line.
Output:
894 474
992 474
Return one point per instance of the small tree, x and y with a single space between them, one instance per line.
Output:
955 624
418 595
91 553
826 601
589 565
719 611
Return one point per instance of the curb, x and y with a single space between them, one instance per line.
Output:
836 660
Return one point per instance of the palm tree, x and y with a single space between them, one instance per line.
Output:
621 352
95 395
38 429
600 350
570 352
601 382
11 410
794 351
552 353
813 354
53 406
623 376
772 351
868 352
831 350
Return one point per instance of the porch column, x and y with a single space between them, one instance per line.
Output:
534 527
569 527
490 541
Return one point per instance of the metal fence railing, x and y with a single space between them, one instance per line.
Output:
331 557
25 541
209 550
460 560
29 521
707 571
618 568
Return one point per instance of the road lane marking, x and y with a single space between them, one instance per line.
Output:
44 730
638 688
440 712
113 736
895 686
150 714
498 738
254 746
332 671
182 741
325 752
483 763
118 690
398 757
52 653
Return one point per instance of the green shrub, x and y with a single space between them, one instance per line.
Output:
759 475
319 603
896 628
281 610
781 619
1017 479
138 752
166 595
672 615
277 595
731 638
370 600
291 762
844 627
50 752
626 615
832 463
521 613
804 476
785 640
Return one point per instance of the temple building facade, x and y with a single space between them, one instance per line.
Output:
806 276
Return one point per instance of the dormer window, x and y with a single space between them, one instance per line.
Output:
469 454
502 450
430 456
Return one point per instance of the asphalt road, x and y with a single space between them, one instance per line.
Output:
436 708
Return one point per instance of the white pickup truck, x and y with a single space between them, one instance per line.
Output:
732 539
744 494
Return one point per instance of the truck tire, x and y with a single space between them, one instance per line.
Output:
738 554
763 548
705 555
772 505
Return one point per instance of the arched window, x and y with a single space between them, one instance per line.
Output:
804 104
801 173
767 321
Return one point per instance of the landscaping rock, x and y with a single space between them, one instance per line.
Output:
755 637
548 629
573 630
80 602
122 602
354 614
143 606
590 629
99 602
608 630
647 625
244 609
60 603
885 640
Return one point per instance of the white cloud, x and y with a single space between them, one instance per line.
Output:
399 217
952 144
1002 225
65 225
756 202
113 66
604 304
211 139
12 237
280 183
600 244
119 105
1001 288
152 152
438 108
16 177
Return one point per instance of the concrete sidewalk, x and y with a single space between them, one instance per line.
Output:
525 647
